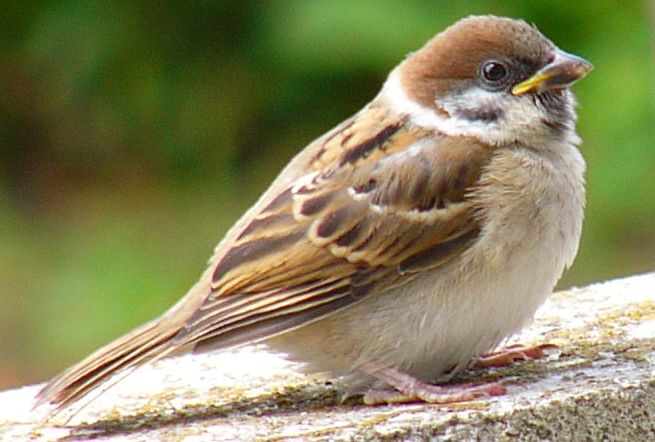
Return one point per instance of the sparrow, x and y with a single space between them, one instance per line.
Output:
414 236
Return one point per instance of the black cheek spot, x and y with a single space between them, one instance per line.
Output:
485 114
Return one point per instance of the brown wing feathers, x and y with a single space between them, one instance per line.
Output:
293 272
319 246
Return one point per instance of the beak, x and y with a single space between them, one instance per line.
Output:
563 71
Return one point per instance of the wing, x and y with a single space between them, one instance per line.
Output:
381 203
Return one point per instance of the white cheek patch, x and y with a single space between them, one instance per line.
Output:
473 105
394 94
493 117
471 114
478 113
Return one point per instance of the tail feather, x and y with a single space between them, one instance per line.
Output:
147 343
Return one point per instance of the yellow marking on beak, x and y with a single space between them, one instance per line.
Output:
562 72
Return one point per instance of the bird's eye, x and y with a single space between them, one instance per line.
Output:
494 71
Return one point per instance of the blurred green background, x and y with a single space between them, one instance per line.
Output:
133 134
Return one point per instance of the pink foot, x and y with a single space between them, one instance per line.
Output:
407 388
513 353
434 394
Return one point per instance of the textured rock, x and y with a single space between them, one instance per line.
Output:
600 385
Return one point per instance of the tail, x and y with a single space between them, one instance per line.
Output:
152 341
147 343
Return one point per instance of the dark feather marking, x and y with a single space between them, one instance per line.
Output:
231 311
263 325
419 185
366 187
349 237
359 291
266 222
427 204
463 175
361 246
555 126
331 223
122 362
267 325
330 137
278 201
556 104
305 189
367 276
314 205
347 138
340 130
365 147
253 250
436 253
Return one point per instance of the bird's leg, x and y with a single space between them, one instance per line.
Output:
409 389
513 353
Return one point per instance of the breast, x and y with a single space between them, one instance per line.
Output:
532 202
532 209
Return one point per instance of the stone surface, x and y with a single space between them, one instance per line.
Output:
600 385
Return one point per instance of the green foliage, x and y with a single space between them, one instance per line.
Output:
134 133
